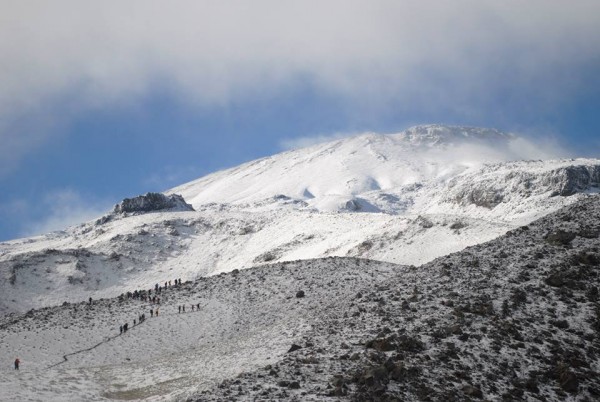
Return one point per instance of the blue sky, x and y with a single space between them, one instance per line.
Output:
109 100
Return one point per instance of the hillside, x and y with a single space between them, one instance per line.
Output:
405 198
513 318
517 318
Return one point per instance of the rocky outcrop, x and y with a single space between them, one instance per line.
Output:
574 179
152 202
491 186
149 202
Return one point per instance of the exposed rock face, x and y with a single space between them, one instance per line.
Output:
486 188
152 202
573 179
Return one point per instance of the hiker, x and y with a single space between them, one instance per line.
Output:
17 362
125 327
121 330
151 313
169 283
90 300
157 312
192 307
179 309
198 307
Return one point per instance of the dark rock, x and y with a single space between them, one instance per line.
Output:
555 279
458 225
152 202
562 324
386 344
409 344
294 348
567 379
560 237
473 392
300 294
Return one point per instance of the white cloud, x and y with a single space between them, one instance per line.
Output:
307 141
63 57
63 208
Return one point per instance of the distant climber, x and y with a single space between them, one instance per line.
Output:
121 330
17 362
151 313
90 300
192 307
157 312
179 309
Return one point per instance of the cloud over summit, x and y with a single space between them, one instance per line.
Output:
65 57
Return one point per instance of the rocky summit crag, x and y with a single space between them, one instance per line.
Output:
152 202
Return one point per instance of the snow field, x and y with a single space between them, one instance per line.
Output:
246 320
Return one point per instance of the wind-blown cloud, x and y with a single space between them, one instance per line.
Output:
60 58
303 142
61 209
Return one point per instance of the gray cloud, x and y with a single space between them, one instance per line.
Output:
65 57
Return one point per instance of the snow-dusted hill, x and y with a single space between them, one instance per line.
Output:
516 318
405 198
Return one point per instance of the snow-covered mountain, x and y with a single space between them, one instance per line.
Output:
516 318
404 198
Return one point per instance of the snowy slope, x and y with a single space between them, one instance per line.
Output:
513 319
405 198
245 321
324 174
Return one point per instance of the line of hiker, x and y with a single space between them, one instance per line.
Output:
182 307
146 295
141 318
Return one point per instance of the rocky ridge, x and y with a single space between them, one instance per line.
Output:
517 318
